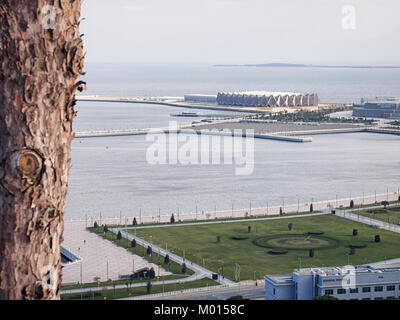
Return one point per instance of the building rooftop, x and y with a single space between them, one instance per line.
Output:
339 271
282 278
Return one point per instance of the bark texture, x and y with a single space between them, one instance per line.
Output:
39 66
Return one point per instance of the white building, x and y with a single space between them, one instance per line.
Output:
344 283
267 99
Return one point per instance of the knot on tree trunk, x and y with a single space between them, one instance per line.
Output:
23 170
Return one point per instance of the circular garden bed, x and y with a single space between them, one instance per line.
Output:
296 242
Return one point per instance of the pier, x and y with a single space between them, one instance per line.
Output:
135 132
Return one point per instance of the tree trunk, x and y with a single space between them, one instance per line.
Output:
40 60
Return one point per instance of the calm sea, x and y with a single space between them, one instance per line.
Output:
111 175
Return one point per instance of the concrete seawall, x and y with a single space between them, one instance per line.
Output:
135 132
171 104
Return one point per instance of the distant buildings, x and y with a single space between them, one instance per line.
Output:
384 108
267 99
347 283
257 99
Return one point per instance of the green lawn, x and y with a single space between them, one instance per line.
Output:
390 214
139 291
199 244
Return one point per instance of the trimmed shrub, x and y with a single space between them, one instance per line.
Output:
275 252
355 232
239 238
315 233
377 238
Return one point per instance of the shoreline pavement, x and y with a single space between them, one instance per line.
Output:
325 205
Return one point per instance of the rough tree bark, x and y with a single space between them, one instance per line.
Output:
40 60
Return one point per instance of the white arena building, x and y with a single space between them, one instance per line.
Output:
267 99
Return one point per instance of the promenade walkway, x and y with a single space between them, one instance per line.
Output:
100 258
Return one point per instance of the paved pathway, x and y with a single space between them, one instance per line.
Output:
372 222
99 257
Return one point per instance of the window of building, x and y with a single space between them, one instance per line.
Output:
341 291
329 292
378 289
379 298
355 290
274 291
391 298
366 289
391 288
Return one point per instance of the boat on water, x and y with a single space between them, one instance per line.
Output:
203 115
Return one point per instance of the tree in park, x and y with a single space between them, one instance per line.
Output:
311 253
377 238
148 287
218 239
134 222
133 243
311 208
95 225
355 232
184 268
172 218
385 204
280 211
166 259
40 61
249 229
119 235
352 204
290 226
151 273
352 251
149 251
105 229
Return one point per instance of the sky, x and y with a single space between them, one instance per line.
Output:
361 32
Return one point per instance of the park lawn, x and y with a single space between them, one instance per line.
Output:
138 291
390 214
200 242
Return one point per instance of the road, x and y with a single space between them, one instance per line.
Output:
248 292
